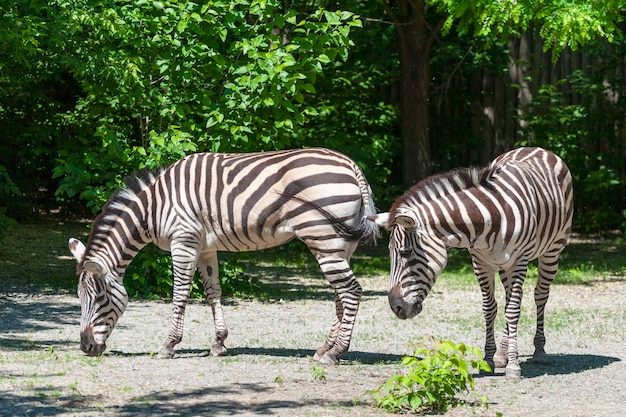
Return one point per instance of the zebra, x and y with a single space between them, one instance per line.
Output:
209 202
517 209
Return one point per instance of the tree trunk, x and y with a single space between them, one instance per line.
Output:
414 93
415 37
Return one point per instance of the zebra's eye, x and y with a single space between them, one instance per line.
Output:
405 252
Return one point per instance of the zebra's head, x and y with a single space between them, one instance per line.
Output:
417 258
103 300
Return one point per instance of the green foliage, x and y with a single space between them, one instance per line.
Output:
107 87
433 381
563 23
161 79
584 135
353 114
150 276
235 282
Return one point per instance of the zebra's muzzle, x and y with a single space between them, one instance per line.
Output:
89 346
401 308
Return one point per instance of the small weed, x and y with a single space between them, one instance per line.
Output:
279 380
433 381
74 387
318 374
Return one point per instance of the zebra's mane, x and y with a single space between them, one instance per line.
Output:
440 185
134 185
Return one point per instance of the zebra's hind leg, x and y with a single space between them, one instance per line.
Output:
209 271
347 297
501 358
485 277
514 288
548 265
334 331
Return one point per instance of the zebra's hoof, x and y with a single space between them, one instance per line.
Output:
540 357
218 349
166 353
513 373
328 359
500 361
319 354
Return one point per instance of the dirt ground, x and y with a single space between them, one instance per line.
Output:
269 370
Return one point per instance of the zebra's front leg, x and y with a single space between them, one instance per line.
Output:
184 268
209 270
347 297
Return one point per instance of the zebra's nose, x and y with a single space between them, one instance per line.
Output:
89 346
397 304
399 311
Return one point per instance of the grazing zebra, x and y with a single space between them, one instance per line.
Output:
515 210
210 202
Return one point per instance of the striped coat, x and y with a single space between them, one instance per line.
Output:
517 209
209 202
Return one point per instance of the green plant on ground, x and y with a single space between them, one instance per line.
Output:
318 373
437 372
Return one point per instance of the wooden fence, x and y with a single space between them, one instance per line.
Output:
476 117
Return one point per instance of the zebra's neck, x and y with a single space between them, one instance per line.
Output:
120 231
457 207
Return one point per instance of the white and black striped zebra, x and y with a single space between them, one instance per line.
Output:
517 209
211 202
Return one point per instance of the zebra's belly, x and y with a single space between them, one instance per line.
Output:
240 241
501 260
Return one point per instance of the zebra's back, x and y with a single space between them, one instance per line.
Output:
253 201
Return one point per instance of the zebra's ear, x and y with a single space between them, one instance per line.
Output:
95 267
381 219
77 248
407 220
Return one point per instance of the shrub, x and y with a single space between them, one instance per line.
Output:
150 276
433 381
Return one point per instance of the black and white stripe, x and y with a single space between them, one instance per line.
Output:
517 209
209 202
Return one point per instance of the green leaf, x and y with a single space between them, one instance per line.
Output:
323 58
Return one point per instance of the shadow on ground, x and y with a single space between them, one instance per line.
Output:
30 315
559 364
215 400
357 357
565 364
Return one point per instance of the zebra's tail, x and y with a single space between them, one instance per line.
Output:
369 229
366 232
